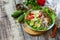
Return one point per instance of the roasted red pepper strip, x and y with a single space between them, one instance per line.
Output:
53 34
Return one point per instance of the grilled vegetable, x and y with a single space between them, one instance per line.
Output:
17 13
21 18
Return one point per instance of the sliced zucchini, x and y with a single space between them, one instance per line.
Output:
17 13
21 18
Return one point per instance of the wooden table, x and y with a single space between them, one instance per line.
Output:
11 30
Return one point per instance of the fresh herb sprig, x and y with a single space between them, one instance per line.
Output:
33 4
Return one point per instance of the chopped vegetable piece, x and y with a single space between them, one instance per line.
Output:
32 23
29 17
20 18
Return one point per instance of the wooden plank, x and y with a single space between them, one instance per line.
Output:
26 36
34 37
4 25
58 34
19 1
1 33
46 35
57 37
15 33
41 37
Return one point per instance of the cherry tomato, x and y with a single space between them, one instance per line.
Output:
30 17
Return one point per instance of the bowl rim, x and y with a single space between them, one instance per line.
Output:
40 30
48 27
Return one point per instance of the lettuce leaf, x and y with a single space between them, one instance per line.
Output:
50 13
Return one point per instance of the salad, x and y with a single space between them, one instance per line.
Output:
40 19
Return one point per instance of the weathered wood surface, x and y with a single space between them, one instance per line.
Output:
11 30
